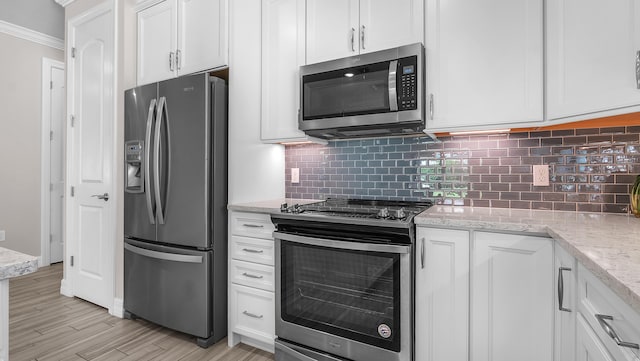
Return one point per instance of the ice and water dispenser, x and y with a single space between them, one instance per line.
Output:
134 155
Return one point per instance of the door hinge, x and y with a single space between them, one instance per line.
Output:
51 135
71 261
50 186
73 120
50 238
73 191
73 52
51 85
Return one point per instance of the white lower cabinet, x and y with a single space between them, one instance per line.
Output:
442 295
253 313
511 297
566 270
251 280
611 320
483 296
588 345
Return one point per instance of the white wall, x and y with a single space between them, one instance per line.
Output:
20 123
44 16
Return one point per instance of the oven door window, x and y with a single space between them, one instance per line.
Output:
351 294
346 92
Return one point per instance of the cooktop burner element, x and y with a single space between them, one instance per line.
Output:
369 212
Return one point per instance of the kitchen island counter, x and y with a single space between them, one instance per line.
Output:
606 244
12 264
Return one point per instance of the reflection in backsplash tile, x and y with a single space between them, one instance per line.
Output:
590 169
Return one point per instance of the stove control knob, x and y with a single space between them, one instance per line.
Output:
284 207
296 208
383 213
400 213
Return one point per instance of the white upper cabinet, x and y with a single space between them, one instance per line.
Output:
283 52
592 58
484 63
202 35
341 28
177 37
157 42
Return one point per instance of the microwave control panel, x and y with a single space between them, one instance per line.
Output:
408 92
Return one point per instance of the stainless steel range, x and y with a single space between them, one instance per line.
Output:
344 280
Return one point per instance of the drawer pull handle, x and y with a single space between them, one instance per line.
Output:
252 276
253 250
612 333
253 225
561 289
252 314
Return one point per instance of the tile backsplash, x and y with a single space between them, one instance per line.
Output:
589 169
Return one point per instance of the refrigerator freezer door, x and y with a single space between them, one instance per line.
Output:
139 205
169 286
184 164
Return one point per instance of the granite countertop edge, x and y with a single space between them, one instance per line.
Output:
268 206
14 264
606 244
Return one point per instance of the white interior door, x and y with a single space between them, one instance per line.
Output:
91 217
52 155
56 170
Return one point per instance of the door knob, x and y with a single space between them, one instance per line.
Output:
105 196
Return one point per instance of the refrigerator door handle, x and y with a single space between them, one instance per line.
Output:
147 162
156 159
173 257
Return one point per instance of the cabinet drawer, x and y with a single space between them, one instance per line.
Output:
252 275
252 313
252 225
252 250
598 299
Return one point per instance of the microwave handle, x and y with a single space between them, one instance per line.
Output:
393 86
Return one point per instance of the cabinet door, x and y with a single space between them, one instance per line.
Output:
332 29
283 52
484 60
202 35
386 24
591 56
565 304
511 297
442 295
157 42
588 345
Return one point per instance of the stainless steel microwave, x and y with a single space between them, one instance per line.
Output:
368 95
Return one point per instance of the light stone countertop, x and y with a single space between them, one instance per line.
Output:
606 244
270 206
14 264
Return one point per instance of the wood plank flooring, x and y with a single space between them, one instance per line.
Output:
44 325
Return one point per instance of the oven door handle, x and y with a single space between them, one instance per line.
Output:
357 246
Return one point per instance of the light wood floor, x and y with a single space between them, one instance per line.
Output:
44 325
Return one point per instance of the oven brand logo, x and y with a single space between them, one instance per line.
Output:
384 331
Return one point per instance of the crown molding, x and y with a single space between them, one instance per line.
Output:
64 3
31 35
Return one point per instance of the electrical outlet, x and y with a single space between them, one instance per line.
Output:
1 236
295 175
540 175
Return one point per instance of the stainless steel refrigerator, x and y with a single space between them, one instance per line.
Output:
175 226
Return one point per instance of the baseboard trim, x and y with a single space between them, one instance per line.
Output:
118 308
65 288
